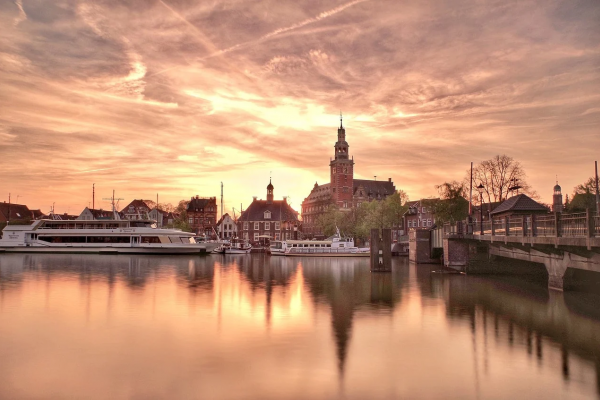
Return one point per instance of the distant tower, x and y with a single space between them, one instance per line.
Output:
557 203
342 171
270 193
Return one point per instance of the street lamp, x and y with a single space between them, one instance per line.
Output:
480 189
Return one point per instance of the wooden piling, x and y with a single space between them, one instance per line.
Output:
381 250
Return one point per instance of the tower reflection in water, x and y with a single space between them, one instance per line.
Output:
266 322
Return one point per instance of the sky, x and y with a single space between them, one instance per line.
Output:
173 97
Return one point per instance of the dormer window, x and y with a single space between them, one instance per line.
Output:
267 215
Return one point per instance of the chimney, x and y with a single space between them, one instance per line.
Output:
389 179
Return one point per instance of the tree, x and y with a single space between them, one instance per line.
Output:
584 196
498 175
588 186
181 221
452 206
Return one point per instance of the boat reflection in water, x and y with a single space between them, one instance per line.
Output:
123 326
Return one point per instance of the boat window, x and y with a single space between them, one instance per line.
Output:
174 239
328 245
186 239
150 239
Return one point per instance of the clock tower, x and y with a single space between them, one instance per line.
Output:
342 171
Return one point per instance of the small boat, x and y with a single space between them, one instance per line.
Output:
236 246
99 236
334 246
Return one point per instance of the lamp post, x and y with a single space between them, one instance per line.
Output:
480 189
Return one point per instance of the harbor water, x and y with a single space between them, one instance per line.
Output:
259 327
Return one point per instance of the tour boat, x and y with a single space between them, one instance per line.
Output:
99 236
334 246
236 246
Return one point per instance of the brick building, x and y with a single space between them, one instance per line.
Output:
273 218
342 190
202 215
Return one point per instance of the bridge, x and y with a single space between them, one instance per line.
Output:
566 247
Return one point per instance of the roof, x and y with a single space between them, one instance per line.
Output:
519 202
137 204
374 188
319 192
200 203
226 215
280 211
17 211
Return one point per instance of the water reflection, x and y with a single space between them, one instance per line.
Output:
276 327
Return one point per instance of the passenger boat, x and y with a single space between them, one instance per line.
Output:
99 236
236 246
334 246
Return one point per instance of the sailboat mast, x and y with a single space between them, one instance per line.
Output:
221 226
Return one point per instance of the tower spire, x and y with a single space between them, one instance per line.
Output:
341 125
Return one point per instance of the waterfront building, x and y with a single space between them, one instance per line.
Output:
557 202
162 218
136 210
420 214
202 215
15 212
226 227
520 204
342 190
90 214
271 218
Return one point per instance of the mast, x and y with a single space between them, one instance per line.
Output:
221 226
471 190
597 191
93 196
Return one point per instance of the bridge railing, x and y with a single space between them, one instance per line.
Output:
498 227
545 225
515 226
574 225
585 224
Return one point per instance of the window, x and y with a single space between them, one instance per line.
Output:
245 235
245 226
277 236
267 215
267 226
428 222
256 227
423 210
256 237
191 220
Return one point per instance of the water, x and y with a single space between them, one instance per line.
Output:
254 327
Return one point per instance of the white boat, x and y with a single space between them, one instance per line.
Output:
236 246
334 246
99 236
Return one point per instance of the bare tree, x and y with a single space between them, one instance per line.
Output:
500 176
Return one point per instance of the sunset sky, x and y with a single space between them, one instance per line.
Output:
174 96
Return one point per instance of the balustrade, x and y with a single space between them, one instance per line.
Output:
550 225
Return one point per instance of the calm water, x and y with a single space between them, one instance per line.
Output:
254 327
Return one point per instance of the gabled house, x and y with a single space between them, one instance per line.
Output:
18 213
137 209
226 227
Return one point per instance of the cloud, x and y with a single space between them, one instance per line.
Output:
178 96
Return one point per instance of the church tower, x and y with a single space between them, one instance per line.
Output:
342 171
557 204
270 193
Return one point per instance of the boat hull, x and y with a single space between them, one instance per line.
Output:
326 254
184 250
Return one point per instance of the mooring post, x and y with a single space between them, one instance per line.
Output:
381 250
375 244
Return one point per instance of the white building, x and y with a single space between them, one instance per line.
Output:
226 227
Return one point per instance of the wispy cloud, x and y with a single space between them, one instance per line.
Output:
176 96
